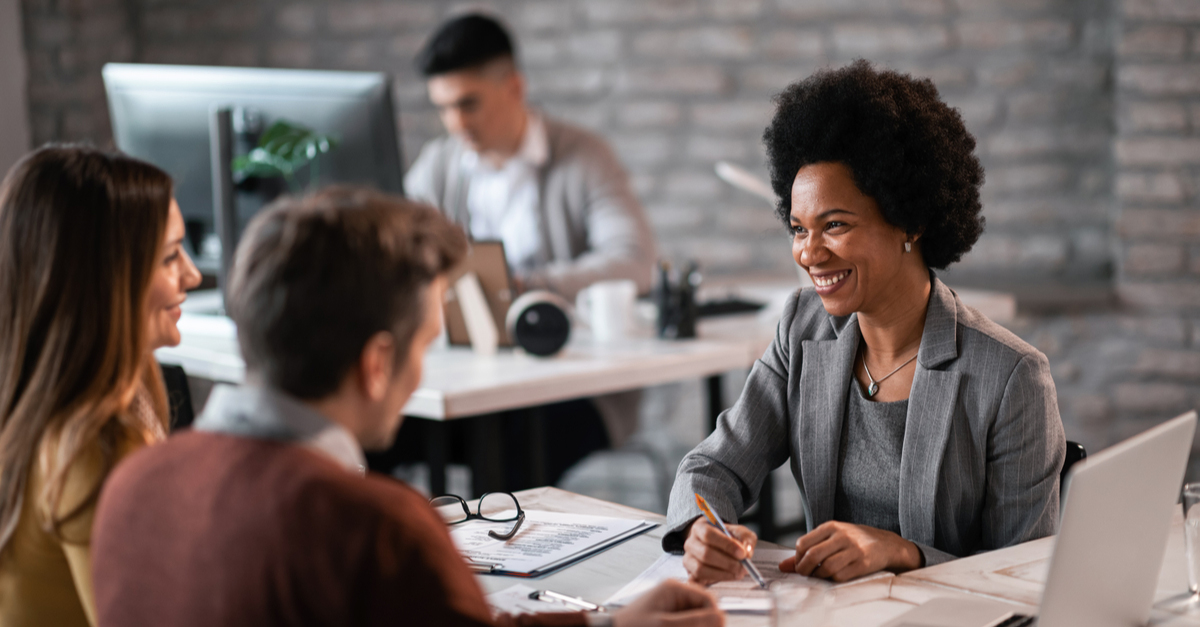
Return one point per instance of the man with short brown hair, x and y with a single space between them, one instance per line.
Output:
552 192
263 514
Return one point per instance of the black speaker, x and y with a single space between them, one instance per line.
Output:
538 322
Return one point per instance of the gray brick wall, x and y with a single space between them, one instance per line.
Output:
679 84
1085 112
66 44
1157 153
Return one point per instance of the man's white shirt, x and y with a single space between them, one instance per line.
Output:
503 201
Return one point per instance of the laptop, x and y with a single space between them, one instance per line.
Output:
1111 540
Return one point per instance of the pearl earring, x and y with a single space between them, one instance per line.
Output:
908 247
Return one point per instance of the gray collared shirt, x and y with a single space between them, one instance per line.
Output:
264 413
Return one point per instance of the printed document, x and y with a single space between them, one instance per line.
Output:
743 596
546 541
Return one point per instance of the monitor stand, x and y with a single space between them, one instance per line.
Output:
220 142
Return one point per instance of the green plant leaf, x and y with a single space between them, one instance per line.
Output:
261 163
283 149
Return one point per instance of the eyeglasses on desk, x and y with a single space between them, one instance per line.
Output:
501 502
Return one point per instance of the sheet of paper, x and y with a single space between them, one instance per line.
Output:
515 600
743 596
545 540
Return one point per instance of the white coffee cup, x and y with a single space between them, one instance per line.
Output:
607 307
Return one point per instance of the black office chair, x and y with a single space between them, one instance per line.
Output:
1075 452
179 396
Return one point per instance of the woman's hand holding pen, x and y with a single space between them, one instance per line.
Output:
842 551
711 556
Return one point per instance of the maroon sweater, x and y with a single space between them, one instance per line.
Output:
211 529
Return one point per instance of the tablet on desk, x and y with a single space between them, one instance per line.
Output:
486 259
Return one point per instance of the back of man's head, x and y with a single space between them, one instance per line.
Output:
316 277
466 42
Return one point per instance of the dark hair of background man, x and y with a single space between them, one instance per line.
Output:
464 42
315 277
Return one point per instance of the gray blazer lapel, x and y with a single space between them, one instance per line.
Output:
930 411
824 381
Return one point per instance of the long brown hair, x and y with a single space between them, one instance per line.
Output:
80 230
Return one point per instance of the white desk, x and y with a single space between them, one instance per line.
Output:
1017 575
597 578
458 383
864 603
1014 575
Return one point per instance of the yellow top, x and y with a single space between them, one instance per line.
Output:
45 580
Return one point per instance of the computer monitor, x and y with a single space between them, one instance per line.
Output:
161 113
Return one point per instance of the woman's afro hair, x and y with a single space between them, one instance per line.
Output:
904 147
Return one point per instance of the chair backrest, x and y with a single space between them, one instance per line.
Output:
179 396
1075 452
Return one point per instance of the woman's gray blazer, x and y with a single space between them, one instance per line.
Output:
983 442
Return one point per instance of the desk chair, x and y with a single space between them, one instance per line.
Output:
179 396
1075 452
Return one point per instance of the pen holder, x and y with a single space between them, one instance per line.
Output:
676 299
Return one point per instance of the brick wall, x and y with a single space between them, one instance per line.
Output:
1157 153
1084 111
66 44
1123 370
677 85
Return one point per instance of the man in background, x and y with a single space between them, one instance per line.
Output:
262 514
553 193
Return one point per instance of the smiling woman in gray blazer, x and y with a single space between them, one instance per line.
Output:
917 429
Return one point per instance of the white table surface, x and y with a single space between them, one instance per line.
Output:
1017 575
458 383
597 578
1013 575
866 603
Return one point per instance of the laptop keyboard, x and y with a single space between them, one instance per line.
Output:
1019 620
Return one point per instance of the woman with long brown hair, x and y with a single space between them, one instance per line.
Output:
92 273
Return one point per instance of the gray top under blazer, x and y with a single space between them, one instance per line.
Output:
868 487
983 442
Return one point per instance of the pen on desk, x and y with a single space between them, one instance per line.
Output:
480 566
716 522
550 596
